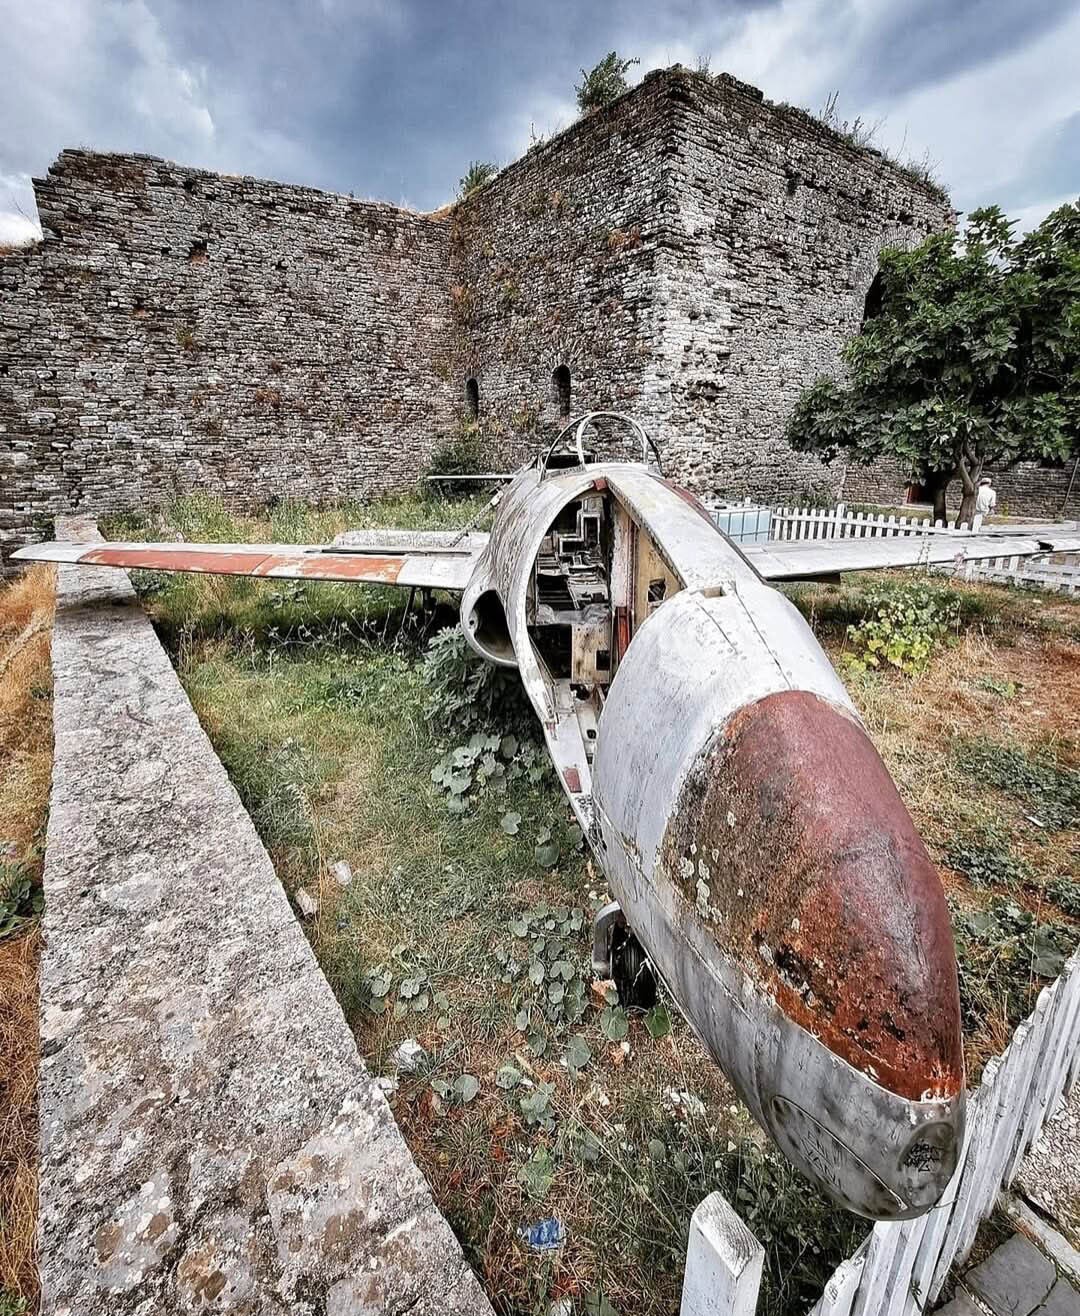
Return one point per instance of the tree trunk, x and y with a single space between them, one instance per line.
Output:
970 473
936 484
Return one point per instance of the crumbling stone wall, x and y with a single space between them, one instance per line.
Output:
692 253
556 263
178 330
780 222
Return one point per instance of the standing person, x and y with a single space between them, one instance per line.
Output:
986 498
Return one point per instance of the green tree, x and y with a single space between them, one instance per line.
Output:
604 82
478 173
970 357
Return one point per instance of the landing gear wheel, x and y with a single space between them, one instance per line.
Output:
631 970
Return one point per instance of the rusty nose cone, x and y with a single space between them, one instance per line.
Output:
792 840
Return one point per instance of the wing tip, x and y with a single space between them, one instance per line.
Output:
51 550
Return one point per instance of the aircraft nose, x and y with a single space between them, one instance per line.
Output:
878 1154
804 866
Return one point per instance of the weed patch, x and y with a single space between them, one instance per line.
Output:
1005 954
986 860
903 625
1052 790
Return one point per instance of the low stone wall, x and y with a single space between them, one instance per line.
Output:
211 1140
1027 489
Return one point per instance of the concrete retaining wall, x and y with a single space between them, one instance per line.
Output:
211 1140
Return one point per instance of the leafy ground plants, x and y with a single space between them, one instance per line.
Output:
903 625
537 1107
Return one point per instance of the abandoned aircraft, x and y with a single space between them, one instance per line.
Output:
759 853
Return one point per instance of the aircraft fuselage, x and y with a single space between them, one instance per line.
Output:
746 824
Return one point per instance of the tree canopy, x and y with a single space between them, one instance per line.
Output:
604 82
969 355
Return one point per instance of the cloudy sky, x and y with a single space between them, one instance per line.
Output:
392 98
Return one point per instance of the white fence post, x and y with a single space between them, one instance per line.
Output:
723 1263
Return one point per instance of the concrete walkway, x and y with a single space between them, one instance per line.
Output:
210 1139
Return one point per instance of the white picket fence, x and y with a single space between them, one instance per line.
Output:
838 523
1059 573
901 1266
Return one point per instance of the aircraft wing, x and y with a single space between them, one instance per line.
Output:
809 559
433 560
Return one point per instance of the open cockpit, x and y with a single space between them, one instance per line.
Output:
596 578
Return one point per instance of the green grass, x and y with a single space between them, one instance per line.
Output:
317 698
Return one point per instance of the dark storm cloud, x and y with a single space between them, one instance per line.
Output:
908 46
393 98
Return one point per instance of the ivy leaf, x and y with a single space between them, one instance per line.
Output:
658 1022
613 1023
536 1042
537 1174
466 1086
547 854
578 1054
536 1107
508 747
507 1077
536 972
519 927
380 984
510 823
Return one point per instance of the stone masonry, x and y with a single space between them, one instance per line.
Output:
695 255
692 253
210 1138
179 331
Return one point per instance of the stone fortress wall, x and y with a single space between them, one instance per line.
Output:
178 330
693 254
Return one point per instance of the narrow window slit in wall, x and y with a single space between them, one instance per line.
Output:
472 397
197 252
560 383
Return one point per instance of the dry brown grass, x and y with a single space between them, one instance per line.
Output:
18 1113
914 722
26 608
